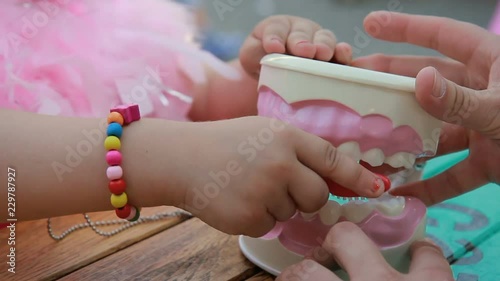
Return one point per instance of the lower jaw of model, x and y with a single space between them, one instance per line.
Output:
392 223
392 130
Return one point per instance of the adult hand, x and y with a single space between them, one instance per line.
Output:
462 90
361 259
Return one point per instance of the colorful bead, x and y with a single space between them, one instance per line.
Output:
130 113
135 214
115 129
118 201
117 186
124 211
114 158
114 172
112 143
115 117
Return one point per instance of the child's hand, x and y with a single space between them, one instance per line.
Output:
241 176
291 35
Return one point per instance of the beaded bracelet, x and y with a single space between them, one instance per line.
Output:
118 117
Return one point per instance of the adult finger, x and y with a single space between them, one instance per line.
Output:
350 246
459 179
323 257
307 270
411 65
461 41
453 138
451 103
428 262
323 158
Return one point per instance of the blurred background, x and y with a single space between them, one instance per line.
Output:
231 20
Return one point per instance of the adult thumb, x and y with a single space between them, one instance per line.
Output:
451 103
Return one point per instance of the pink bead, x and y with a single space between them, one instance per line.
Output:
133 212
114 172
114 157
130 113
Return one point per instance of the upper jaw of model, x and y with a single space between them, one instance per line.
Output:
367 115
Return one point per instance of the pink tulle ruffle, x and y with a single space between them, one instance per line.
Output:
79 58
495 22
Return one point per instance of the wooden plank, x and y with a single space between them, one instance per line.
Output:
39 257
262 276
189 251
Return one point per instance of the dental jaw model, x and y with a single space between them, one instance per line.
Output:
370 116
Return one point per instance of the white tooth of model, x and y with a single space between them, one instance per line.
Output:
356 211
401 159
375 157
389 205
393 161
409 160
351 149
330 213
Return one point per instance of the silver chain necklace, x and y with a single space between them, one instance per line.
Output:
124 224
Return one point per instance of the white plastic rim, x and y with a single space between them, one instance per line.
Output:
341 72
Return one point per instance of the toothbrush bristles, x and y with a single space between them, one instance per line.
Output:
356 198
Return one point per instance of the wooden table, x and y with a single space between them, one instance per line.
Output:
170 249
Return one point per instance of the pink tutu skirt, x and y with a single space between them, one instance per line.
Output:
495 22
79 58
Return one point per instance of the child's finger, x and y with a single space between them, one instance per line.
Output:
253 49
274 34
256 226
308 190
343 53
280 204
300 39
323 158
268 37
325 42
